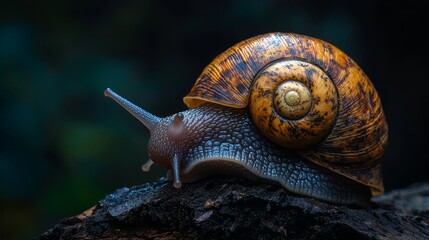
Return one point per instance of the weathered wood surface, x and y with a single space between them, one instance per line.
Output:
233 208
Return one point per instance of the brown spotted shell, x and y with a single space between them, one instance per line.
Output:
304 94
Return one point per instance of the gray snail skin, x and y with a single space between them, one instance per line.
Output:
279 107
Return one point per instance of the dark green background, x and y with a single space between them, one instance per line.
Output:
64 146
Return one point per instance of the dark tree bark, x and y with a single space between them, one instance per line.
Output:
232 208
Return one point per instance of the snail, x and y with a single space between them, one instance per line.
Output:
279 107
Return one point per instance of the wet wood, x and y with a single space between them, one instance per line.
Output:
233 208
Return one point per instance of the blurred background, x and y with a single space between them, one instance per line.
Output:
64 145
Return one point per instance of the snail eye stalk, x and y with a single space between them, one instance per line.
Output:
148 119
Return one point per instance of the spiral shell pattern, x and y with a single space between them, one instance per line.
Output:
294 102
355 133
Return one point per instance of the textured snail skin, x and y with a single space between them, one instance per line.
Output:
220 140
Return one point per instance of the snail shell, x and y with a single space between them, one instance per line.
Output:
303 94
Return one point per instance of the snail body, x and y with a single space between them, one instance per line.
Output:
279 107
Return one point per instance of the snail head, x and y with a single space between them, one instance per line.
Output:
166 143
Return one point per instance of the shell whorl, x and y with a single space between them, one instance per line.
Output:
294 103
352 144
